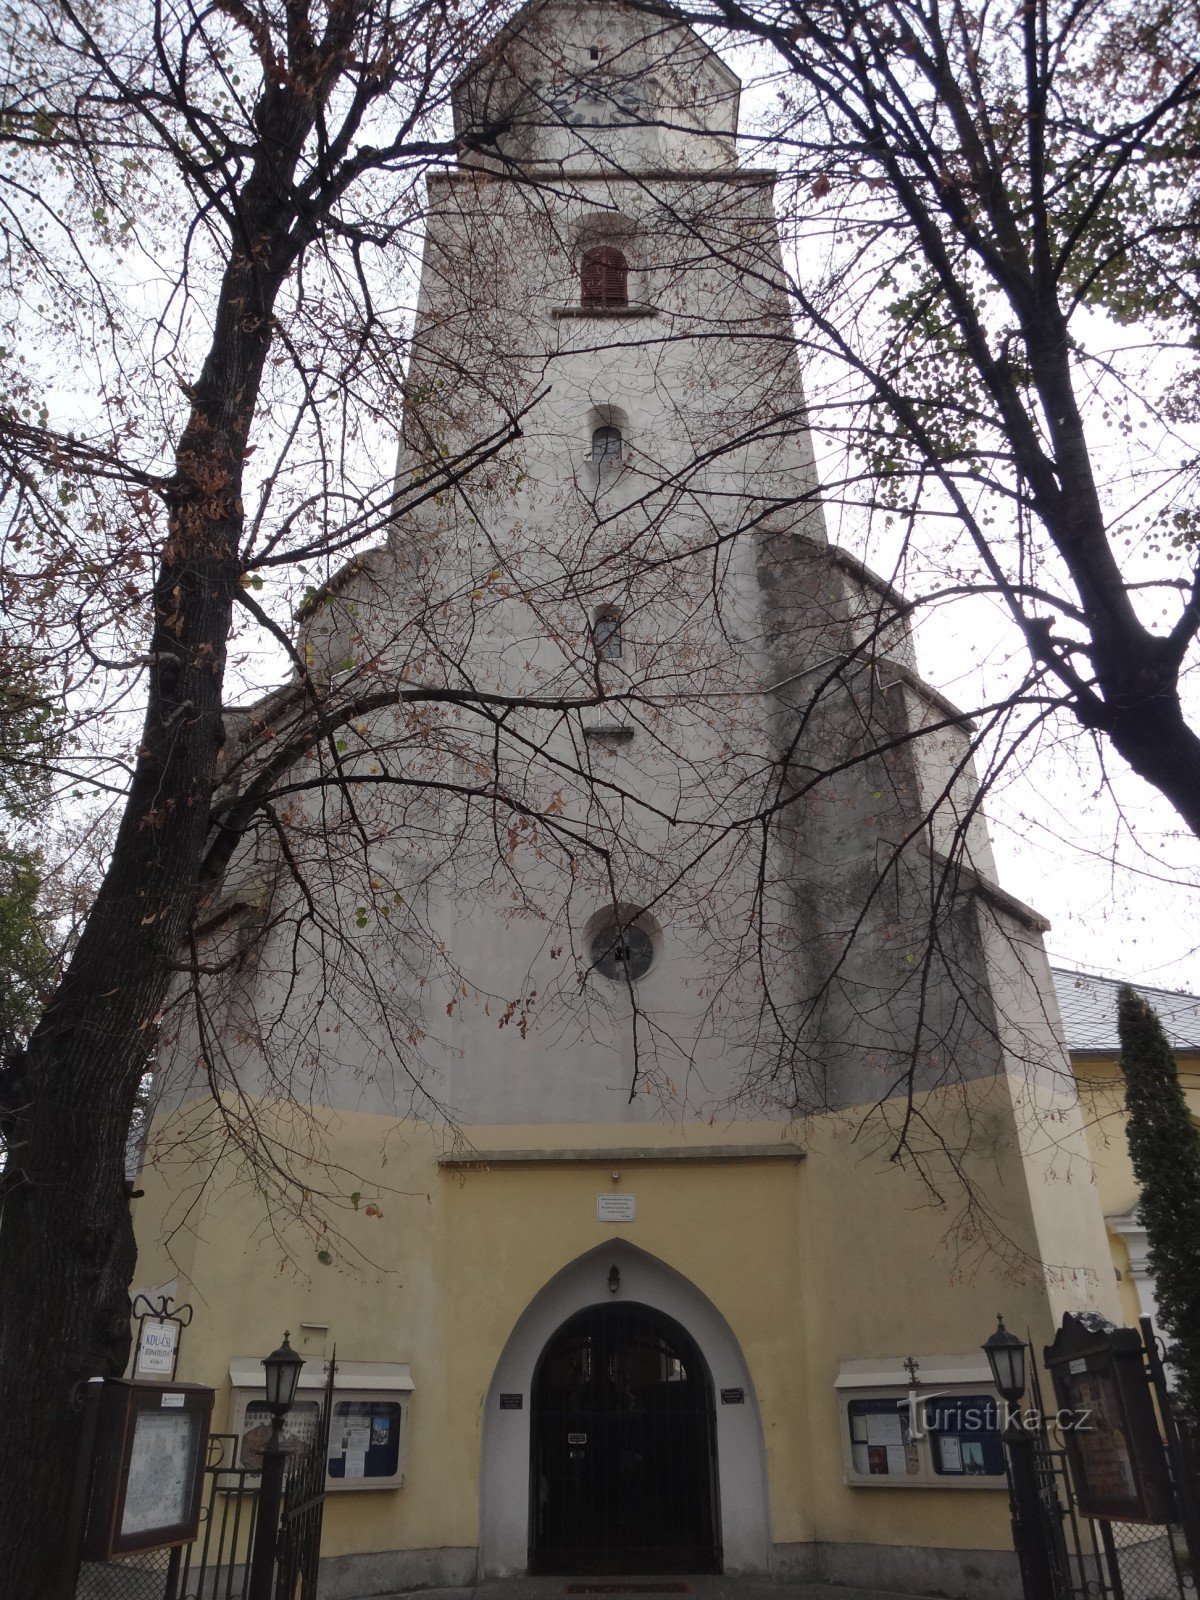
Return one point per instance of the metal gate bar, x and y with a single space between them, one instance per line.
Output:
1098 1559
216 1566
623 1462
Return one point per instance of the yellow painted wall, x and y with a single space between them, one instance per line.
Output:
1102 1096
1102 1093
840 1256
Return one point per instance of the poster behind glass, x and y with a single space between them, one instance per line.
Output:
364 1442
162 1471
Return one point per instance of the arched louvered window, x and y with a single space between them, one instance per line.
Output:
606 635
603 277
606 450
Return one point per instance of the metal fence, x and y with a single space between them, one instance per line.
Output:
1150 1562
142 1577
215 1566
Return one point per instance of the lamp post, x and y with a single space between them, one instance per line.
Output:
282 1376
1031 1534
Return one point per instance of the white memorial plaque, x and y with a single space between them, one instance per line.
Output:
616 1208
156 1348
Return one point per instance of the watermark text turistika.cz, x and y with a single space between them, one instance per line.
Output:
953 1414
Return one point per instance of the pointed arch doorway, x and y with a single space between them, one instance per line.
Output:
623 1474
508 1494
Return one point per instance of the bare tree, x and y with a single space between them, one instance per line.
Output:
263 159
995 218
233 198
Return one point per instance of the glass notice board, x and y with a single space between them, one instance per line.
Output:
364 1439
148 1454
163 1462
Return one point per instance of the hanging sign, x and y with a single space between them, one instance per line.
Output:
160 1324
158 1342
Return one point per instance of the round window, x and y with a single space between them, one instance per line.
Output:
621 951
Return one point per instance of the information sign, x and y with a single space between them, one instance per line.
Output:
148 1466
1114 1447
158 1340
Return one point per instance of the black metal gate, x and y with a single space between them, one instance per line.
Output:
298 1552
623 1468
216 1565
1093 1558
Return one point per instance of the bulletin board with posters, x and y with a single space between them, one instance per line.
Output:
365 1440
368 1431
1114 1447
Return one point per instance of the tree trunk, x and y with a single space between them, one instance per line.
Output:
66 1243
1150 731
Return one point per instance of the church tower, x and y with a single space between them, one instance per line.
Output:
671 1083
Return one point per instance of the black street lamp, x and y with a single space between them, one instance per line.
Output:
1031 1532
1006 1357
282 1376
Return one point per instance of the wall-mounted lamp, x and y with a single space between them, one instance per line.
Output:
614 1278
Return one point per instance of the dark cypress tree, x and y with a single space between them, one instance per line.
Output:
1164 1145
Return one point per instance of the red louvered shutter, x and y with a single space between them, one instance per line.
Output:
604 277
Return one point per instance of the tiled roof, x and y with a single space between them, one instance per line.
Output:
1089 1011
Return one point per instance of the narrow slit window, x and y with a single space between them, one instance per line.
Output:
606 636
606 449
604 277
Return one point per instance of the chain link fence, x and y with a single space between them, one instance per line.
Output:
140 1577
1152 1562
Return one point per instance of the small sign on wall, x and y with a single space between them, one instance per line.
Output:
616 1208
159 1332
158 1340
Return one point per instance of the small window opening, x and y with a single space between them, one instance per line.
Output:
606 636
607 449
594 53
603 277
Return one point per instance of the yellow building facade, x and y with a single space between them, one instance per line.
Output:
659 1196
1089 1011
805 1275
